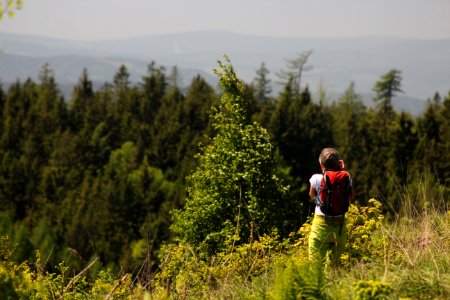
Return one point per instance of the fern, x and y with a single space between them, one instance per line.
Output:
299 280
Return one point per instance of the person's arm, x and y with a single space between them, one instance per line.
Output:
312 192
314 181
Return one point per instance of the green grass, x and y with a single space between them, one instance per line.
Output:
408 258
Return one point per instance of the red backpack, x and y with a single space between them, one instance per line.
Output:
335 193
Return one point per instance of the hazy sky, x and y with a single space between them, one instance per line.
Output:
110 19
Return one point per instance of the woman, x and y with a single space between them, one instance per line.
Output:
328 231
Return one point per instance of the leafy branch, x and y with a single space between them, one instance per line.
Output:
8 7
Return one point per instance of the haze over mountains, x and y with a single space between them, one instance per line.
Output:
336 62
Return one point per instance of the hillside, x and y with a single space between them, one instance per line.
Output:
148 193
336 62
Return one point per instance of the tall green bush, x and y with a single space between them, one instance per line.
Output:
234 193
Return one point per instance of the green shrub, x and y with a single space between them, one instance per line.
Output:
234 193
298 279
364 241
373 290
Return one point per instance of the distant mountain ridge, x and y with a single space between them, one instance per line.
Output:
336 62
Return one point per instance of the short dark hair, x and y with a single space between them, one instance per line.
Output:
329 158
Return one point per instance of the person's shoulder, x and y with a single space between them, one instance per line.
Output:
315 178
348 175
346 172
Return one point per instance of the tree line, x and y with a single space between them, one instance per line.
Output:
105 172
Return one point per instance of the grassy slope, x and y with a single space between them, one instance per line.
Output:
408 258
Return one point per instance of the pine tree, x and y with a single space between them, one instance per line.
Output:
383 128
351 136
174 80
82 97
2 103
429 134
195 122
444 147
261 84
14 182
347 115
154 86
300 130
278 121
122 79
166 131
405 146
386 89
296 67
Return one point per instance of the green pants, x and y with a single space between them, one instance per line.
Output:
327 234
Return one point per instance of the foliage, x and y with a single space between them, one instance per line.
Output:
262 84
25 281
234 193
98 174
386 88
363 244
403 259
295 67
183 272
362 222
372 290
7 7
299 280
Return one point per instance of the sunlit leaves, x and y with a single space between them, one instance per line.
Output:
8 7
234 192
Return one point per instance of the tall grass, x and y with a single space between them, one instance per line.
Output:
425 195
416 255
409 258
406 257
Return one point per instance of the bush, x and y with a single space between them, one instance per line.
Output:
364 239
373 290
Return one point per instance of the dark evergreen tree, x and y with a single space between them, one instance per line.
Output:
386 88
300 129
351 136
405 145
195 123
153 86
122 79
166 131
2 102
82 97
444 147
14 183
261 84
383 128
263 102
174 79
429 150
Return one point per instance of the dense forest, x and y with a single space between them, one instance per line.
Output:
121 173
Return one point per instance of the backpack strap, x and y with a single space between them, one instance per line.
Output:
328 186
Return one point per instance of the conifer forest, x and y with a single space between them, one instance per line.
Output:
152 191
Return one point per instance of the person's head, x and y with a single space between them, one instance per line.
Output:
329 160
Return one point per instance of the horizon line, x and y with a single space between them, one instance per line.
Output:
214 31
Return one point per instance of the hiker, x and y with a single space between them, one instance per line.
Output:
332 195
